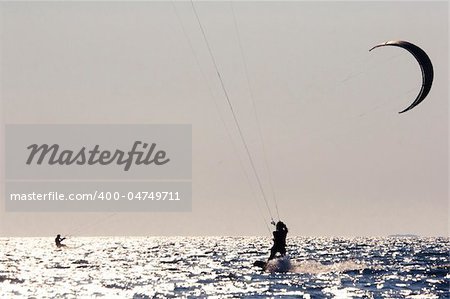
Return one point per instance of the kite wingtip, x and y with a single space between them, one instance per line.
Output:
403 111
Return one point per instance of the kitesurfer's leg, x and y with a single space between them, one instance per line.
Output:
273 251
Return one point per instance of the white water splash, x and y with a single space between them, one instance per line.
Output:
285 264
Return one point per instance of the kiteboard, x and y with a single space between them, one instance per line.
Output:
260 264
281 264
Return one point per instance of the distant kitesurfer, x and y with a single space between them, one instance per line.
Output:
58 241
279 240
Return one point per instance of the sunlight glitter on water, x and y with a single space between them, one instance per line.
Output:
140 267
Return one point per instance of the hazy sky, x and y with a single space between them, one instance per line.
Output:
342 161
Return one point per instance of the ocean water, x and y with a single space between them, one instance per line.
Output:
222 267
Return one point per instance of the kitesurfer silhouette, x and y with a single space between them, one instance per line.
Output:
58 241
279 240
